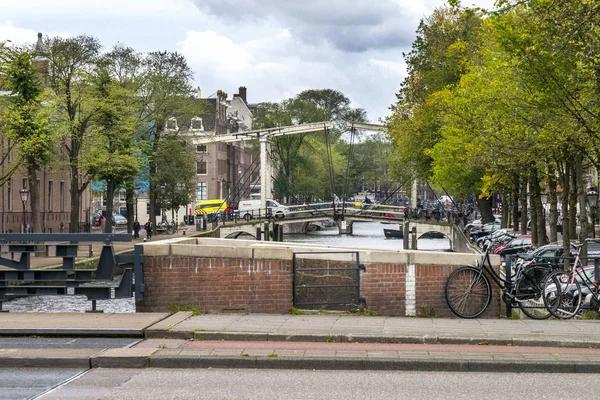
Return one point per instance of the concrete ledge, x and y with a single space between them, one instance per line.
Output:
340 338
457 365
220 251
41 362
166 334
171 321
65 332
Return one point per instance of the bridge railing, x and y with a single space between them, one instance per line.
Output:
99 279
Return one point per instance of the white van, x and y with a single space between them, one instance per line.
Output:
249 209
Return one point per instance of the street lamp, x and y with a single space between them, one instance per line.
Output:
592 196
24 197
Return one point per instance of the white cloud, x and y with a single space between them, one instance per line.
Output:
21 36
276 48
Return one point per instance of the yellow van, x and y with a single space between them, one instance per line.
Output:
209 206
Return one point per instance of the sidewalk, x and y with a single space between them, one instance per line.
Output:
331 341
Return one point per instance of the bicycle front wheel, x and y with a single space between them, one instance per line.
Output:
562 295
468 292
528 292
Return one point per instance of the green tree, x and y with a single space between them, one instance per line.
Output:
27 121
71 61
111 152
175 172
166 93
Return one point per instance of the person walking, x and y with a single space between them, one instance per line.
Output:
148 228
136 229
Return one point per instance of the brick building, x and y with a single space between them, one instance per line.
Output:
223 169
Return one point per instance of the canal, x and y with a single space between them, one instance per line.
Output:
366 235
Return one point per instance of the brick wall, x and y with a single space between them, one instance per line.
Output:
256 277
383 285
217 285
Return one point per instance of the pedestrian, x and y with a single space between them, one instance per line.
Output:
148 228
136 229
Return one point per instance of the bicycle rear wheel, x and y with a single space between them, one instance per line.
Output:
468 292
562 297
528 292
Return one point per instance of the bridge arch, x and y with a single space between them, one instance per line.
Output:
240 235
434 234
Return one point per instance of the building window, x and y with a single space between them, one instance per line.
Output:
24 183
50 189
196 124
201 148
201 168
62 195
171 124
201 191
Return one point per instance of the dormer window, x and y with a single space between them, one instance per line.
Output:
196 124
171 124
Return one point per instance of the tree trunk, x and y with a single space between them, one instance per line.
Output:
130 201
582 199
75 196
485 207
572 203
110 196
566 215
533 195
523 200
553 218
539 220
505 221
515 203
34 200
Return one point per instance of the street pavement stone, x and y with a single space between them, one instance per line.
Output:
320 341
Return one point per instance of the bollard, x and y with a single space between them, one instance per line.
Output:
508 285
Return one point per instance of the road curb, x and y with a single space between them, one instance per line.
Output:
455 365
426 339
40 362
309 363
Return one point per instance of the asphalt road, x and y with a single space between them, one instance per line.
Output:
332 385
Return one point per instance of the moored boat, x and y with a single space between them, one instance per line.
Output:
393 233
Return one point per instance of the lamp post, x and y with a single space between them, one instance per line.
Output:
163 189
593 202
24 197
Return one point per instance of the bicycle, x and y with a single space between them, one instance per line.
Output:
565 297
468 291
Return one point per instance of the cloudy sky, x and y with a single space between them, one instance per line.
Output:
276 48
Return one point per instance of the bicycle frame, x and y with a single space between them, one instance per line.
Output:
578 271
486 266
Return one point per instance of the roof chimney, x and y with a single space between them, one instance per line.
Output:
198 94
243 93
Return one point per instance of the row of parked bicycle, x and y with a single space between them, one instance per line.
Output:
543 282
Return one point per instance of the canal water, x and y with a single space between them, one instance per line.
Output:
366 235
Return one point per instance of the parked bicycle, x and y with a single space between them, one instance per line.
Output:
574 290
168 227
469 293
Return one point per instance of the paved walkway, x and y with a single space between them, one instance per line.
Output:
326 341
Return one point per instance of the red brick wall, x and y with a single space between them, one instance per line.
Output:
217 285
383 285
430 291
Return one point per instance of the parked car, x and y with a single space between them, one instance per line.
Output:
486 229
519 244
552 253
117 219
